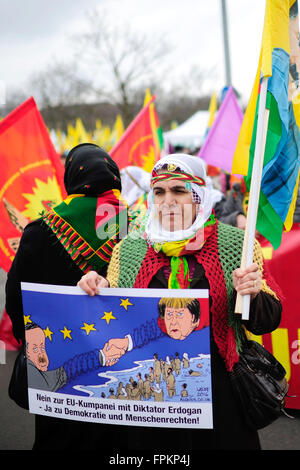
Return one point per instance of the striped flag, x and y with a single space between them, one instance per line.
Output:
279 63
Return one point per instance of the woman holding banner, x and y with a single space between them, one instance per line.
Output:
182 245
58 249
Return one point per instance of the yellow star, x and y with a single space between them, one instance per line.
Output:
27 319
48 333
66 333
108 316
124 303
88 328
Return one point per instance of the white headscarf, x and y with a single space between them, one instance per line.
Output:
201 194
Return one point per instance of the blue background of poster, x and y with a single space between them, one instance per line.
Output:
57 311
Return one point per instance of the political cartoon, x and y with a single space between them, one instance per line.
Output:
126 356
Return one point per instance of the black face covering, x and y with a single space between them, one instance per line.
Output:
91 171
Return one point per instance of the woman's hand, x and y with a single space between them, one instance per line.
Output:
247 281
91 282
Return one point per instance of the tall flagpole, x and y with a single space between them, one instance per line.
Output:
243 302
226 44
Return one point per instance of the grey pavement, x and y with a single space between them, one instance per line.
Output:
17 425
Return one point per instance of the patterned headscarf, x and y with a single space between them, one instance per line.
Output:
88 222
192 170
178 244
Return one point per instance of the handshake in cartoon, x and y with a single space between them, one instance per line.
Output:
114 349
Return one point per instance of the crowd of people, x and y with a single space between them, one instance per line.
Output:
180 242
161 376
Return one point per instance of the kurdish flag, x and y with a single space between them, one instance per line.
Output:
31 181
31 178
280 64
141 143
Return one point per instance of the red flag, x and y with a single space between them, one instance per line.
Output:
31 175
31 180
140 144
284 342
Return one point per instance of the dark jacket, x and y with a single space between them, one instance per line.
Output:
230 207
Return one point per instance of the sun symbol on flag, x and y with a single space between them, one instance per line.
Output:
44 196
148 160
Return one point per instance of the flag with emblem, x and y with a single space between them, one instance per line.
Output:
31 175
31 181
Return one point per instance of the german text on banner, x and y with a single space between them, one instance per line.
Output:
136 357
30 178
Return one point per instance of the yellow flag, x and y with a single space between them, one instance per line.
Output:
72 135
275 32
275 35
212 109
118 127
82 134
148 97
153 121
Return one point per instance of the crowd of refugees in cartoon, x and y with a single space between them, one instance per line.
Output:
162 372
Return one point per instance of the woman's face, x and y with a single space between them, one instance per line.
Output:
179 322
175 206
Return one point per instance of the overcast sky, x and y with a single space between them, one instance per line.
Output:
33 32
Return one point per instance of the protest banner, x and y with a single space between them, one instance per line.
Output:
126 356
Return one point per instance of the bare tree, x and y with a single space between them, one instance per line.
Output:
122 60
110 66
14 98
59 84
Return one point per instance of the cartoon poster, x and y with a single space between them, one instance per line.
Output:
126 356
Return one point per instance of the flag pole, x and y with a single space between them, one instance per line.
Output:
242 305
226 43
